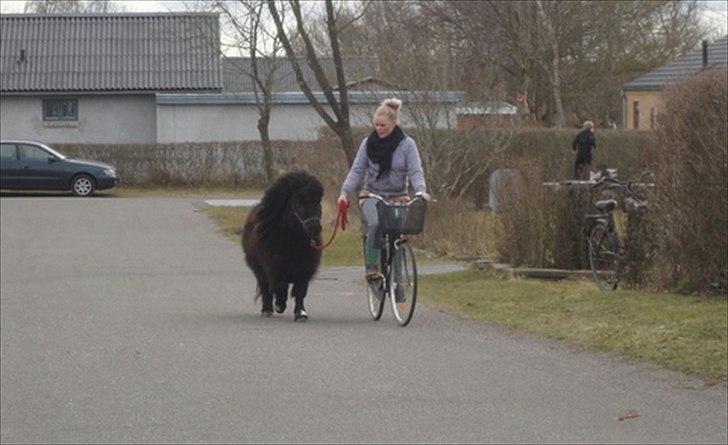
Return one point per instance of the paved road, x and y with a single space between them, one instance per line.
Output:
132 320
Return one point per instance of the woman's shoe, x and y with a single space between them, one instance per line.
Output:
372 273
373 276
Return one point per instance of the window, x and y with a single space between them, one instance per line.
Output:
636 115
31 152
7 152
60 109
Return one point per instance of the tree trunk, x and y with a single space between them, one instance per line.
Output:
339 122
554 71
263 130
559 120
347 143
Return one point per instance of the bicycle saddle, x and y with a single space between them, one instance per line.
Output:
607 205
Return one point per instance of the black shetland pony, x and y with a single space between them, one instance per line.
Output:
277 239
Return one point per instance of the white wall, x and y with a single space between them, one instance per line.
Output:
121 119
238 122
113 119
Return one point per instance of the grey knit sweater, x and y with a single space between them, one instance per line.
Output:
406 164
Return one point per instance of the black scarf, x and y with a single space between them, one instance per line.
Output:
380 150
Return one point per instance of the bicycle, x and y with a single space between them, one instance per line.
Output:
606 254
397 260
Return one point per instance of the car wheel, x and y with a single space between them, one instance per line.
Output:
83 185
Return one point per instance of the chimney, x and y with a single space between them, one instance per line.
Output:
705 54
21 58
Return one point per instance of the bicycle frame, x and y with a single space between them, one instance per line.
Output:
389 241
395 268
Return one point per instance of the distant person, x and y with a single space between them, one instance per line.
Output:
582 146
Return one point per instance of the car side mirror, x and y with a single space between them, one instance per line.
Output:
52 159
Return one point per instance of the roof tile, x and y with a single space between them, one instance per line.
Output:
683 66
110 52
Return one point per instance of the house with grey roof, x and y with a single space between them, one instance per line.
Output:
233 115
236 72
159 78
641 97
94 78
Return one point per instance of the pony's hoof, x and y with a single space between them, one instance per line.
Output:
301 316
266 313
280 308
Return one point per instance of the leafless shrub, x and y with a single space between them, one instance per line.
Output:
689 164
543 226
455 229
529 216
456 161
324 159
189 164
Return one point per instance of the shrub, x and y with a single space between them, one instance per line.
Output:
191 164
540 228
454 229
544 226
691 197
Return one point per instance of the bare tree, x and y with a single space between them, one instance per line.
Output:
72 6
592 47
426 59
247 20
547 21
338 118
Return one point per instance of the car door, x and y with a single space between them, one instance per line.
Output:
39 169
9 166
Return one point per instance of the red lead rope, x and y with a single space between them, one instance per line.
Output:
341 219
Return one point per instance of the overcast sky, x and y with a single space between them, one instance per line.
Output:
715 12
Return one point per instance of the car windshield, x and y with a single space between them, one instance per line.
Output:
53 152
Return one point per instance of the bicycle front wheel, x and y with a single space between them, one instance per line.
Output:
375 295
403 284
604 257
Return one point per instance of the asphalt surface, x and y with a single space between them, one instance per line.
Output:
133 320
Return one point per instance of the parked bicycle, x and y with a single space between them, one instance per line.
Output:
398 265
606 254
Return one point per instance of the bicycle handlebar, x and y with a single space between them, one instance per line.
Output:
418 197
614 181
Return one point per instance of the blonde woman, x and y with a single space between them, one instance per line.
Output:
582 146
386 163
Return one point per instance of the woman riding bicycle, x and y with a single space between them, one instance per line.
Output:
386 159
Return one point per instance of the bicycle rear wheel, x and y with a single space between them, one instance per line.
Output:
403 283
604 257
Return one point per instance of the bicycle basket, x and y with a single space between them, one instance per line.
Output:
402 219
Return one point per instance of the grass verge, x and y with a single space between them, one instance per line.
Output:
181 192
344 251
683 333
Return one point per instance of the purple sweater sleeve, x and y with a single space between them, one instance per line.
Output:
414 167
357 170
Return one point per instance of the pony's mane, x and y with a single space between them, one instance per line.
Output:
276 198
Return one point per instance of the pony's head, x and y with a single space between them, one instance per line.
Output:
293 200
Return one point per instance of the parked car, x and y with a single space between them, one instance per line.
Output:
30 165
